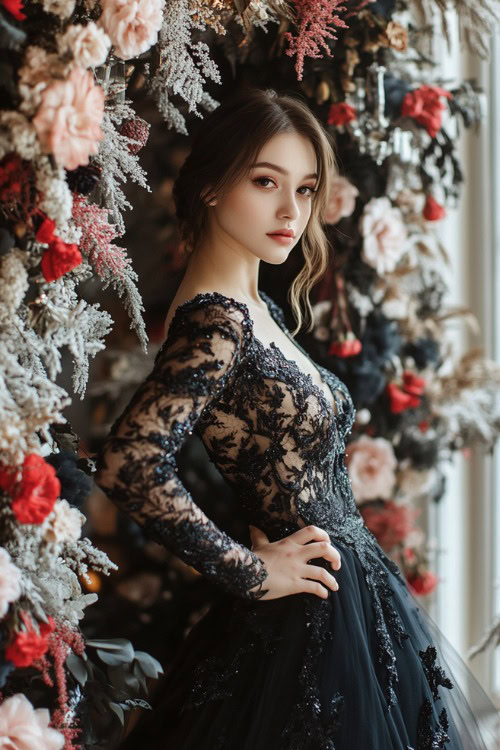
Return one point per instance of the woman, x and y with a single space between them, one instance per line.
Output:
316 642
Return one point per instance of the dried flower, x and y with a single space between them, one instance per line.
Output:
13 283
68 121
88 44
10 582
425 106
64 524
132 26
23 727
371 464
396 36
384 234
341 199
33 488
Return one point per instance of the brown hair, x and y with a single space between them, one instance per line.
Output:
222 150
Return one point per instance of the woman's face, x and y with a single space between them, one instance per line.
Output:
271 197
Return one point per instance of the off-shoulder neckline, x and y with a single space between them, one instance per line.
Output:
273 309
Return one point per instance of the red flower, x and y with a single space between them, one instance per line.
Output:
422 584
425 106
341 114
347 347
15 8
28 645
412 383
59 259
399 400
391 524
34 488
433 211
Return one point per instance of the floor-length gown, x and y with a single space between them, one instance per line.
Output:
365 668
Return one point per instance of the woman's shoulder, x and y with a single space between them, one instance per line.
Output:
212 307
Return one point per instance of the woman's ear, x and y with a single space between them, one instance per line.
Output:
207 196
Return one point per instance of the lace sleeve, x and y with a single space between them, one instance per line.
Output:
136 466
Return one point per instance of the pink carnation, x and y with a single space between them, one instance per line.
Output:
23 728
341 200
371 464
68 121
132 25
384 235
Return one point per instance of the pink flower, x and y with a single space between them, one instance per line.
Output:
384 235
23 728
132 25
341 200
89 44
371 464
68 121
10 582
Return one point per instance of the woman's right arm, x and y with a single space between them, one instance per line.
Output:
136 466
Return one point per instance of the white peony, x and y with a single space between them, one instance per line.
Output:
384 235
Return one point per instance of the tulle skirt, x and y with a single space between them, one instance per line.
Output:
304 673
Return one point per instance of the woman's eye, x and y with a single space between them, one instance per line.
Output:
268 179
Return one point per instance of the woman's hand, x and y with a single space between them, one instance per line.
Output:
286 562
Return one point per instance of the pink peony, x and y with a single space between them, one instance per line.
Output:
132 25
371 464
384 235
89 44
24 728
341 200
10 582
68 121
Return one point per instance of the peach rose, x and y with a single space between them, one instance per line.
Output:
341 200
132 25
89 44
68 121
22 727
384 235
371 464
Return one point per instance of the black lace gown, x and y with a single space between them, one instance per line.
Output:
364 669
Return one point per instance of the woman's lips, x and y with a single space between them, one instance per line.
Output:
281 238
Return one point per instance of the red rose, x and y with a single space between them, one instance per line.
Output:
399 400
425 106
390 524
422 584
34 488
59 259
29 645
412 383
341 114
348 347
433 211
15 8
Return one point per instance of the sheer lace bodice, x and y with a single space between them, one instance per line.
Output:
270 430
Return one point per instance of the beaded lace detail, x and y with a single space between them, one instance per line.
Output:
277 440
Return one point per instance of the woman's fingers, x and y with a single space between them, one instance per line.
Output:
322 549
320 574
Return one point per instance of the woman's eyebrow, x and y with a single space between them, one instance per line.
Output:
279 169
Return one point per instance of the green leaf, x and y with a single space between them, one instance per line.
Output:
114 659
149 665
118 711
111 644
77 668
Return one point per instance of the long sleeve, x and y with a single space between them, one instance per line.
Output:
136 466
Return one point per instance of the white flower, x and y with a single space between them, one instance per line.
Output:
24 728
64 523
384 235
89 44
10 584
61 8
13 283
371 465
